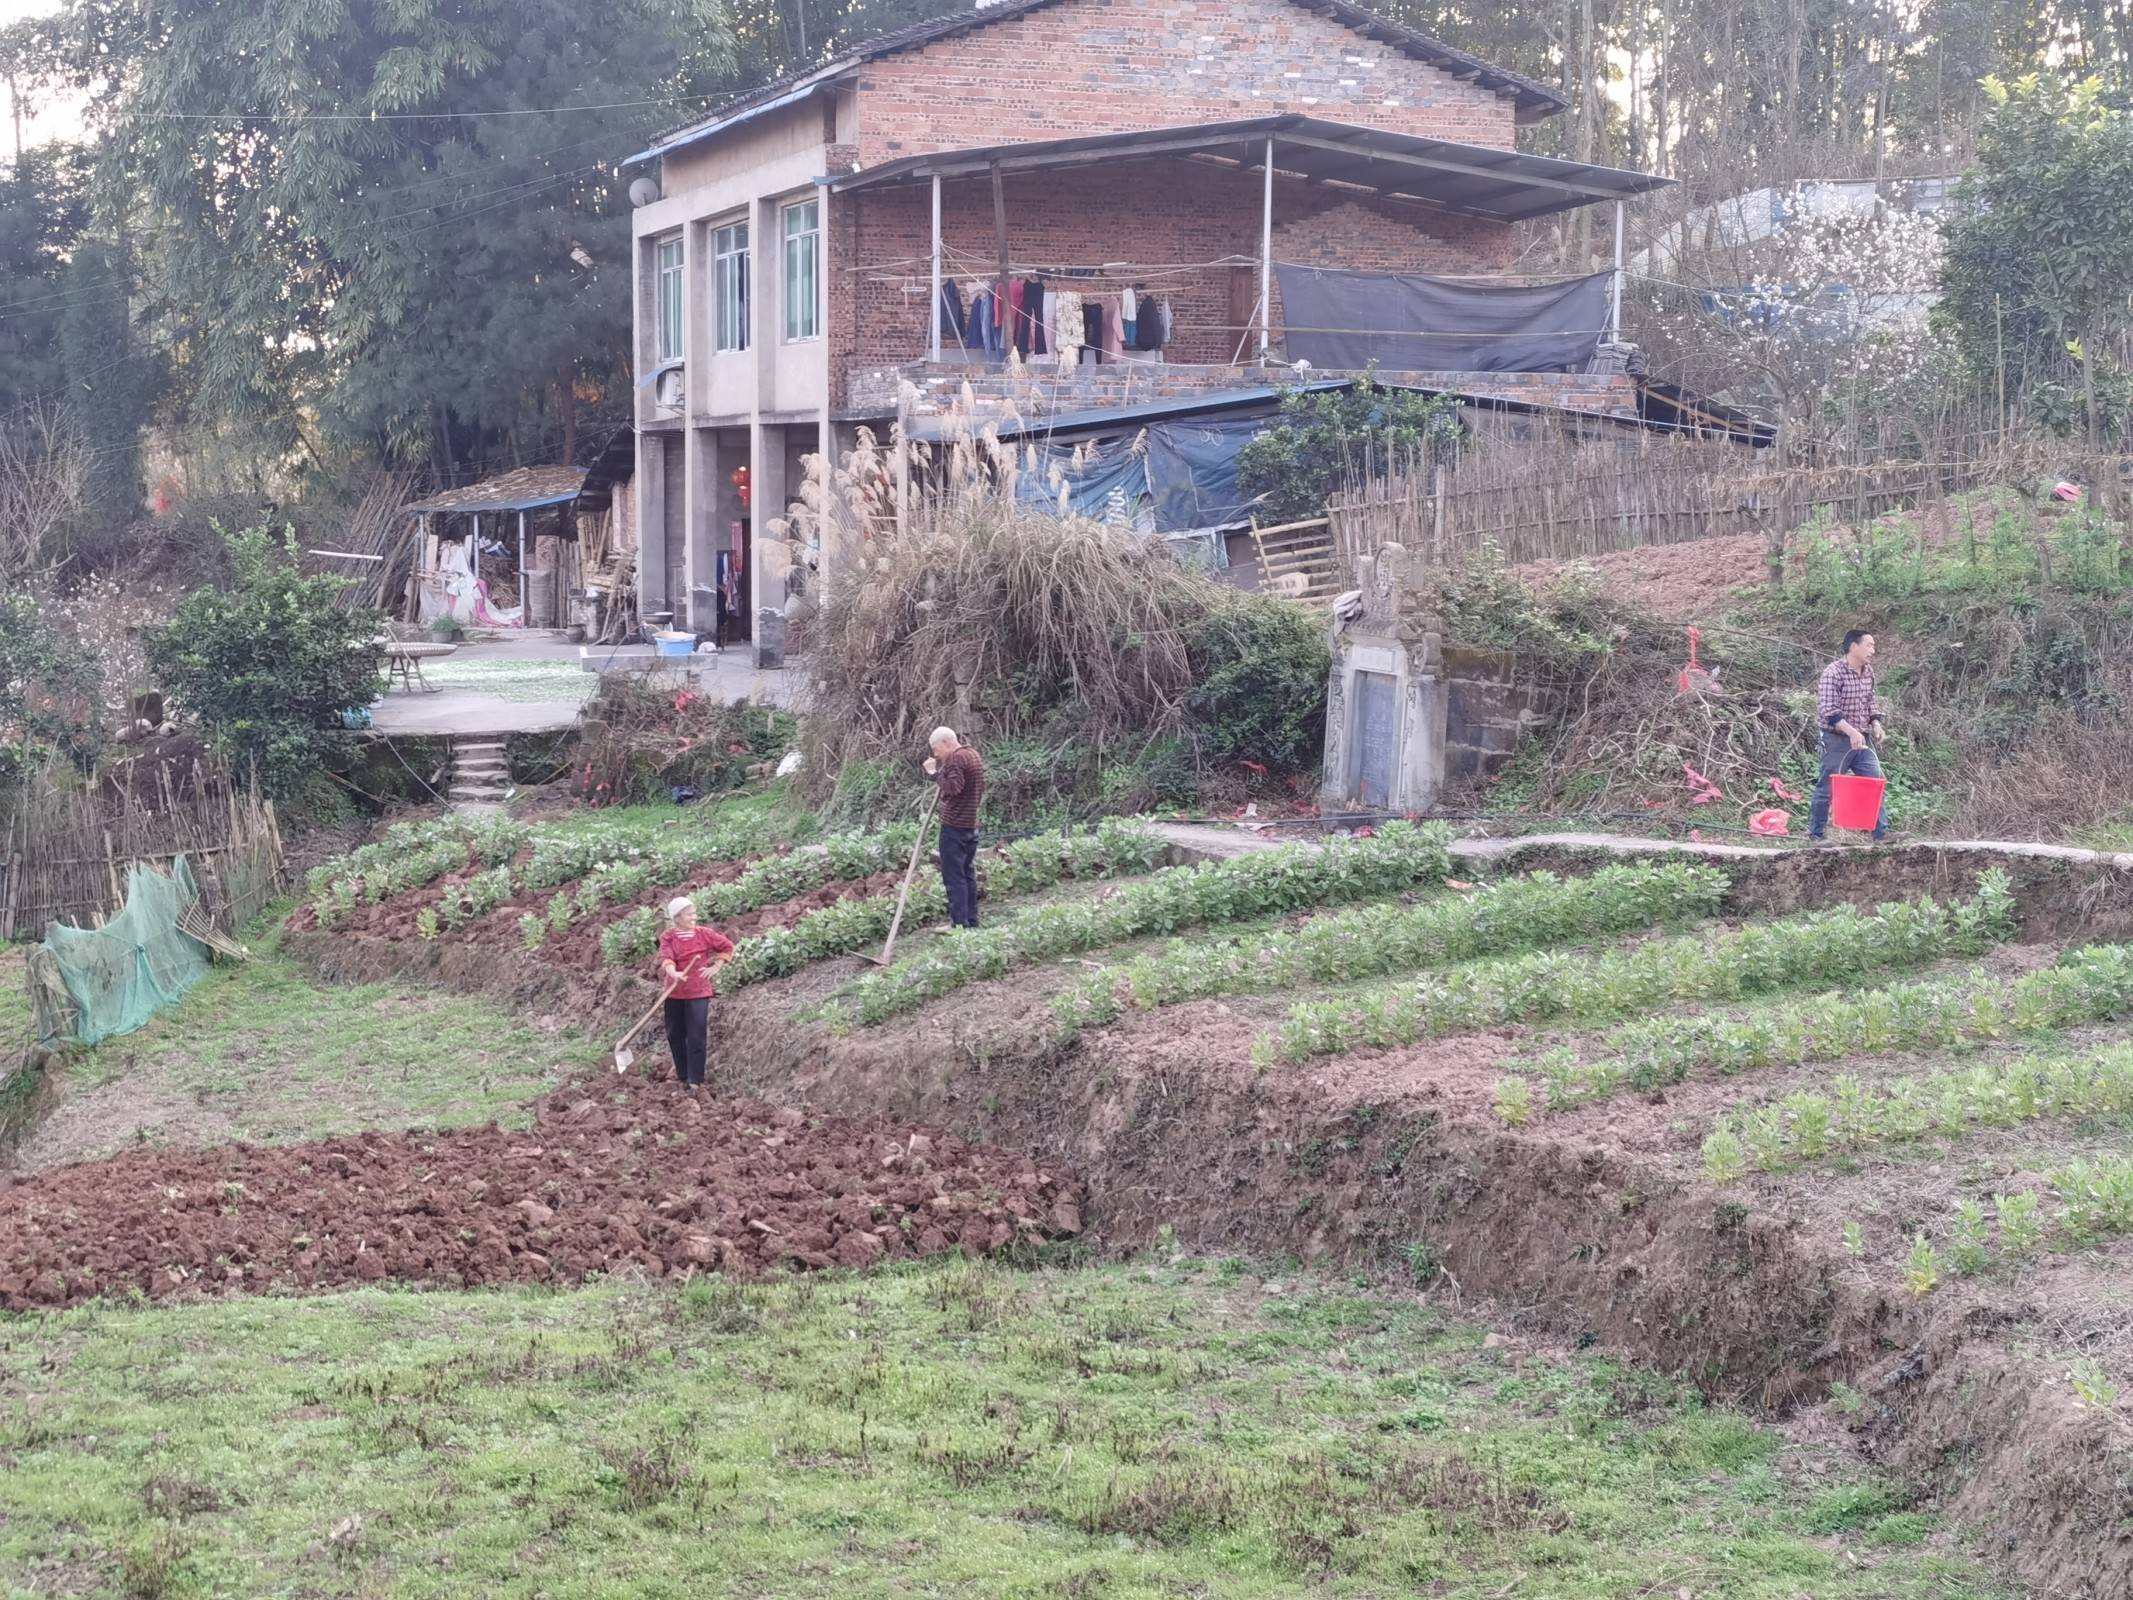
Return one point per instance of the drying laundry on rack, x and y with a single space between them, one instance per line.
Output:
1067 326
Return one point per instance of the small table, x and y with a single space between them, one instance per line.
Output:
404 659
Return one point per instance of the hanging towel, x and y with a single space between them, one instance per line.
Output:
1017 322
1112 328
1126 307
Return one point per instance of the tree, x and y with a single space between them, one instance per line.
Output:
269 664
1827 327
1326 437
48 690
43 210
111 383
44 471
2039 270
388 229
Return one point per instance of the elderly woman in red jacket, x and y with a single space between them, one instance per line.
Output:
688 955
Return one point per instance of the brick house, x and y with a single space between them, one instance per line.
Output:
794 248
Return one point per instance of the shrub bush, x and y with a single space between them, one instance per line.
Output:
1261 666
269 664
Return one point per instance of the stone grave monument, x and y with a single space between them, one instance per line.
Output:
1386 700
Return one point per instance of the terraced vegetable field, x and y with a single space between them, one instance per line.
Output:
1841 1126
1839 1132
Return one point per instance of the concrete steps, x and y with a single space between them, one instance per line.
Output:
481 773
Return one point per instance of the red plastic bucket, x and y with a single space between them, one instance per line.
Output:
1855 802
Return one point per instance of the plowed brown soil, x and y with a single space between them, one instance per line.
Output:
610 1178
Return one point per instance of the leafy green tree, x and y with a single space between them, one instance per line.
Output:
1328 436
110 381
2039 262
43 210
380 213
269 664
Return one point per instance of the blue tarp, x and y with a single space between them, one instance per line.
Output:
1193 468
1186 471
1091 475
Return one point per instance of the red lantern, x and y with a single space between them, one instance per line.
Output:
739 481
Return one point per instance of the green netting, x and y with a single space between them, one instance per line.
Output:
118 976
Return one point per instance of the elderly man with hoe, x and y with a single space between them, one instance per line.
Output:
1847 714
960 775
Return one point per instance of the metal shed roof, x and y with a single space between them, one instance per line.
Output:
614 466
525 489
1473 180
1220 400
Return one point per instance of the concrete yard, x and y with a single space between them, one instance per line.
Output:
539 685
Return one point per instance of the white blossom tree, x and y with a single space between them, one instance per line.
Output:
1826 330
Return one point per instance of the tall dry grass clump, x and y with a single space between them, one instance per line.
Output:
1089 650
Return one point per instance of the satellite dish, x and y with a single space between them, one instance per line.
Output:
643 191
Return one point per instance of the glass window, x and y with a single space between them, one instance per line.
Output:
670 299
803 270
729 286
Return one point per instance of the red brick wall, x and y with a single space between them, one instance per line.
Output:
840 246
1150 218
1108 66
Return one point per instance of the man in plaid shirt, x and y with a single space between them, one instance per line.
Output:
1847 715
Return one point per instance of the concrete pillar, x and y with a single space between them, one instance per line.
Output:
699 558
651 523
767 501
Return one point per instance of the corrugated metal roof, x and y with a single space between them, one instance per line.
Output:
1474 180
615 465
525 489
1534 99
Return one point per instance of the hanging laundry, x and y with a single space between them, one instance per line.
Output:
1030 325
1111 325
1129 317
1149 326
951 313
1018 322
1067 326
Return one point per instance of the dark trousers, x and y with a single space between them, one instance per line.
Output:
1839 756
686 1021
959 874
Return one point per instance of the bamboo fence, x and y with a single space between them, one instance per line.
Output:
67 853
1560 498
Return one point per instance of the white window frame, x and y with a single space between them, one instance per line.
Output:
668 328
802 299
729 287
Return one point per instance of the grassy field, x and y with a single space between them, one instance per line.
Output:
957 1429
263 1052
14 999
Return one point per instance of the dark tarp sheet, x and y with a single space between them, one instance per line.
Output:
1193 468
1090 475
1188 470
1404 322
